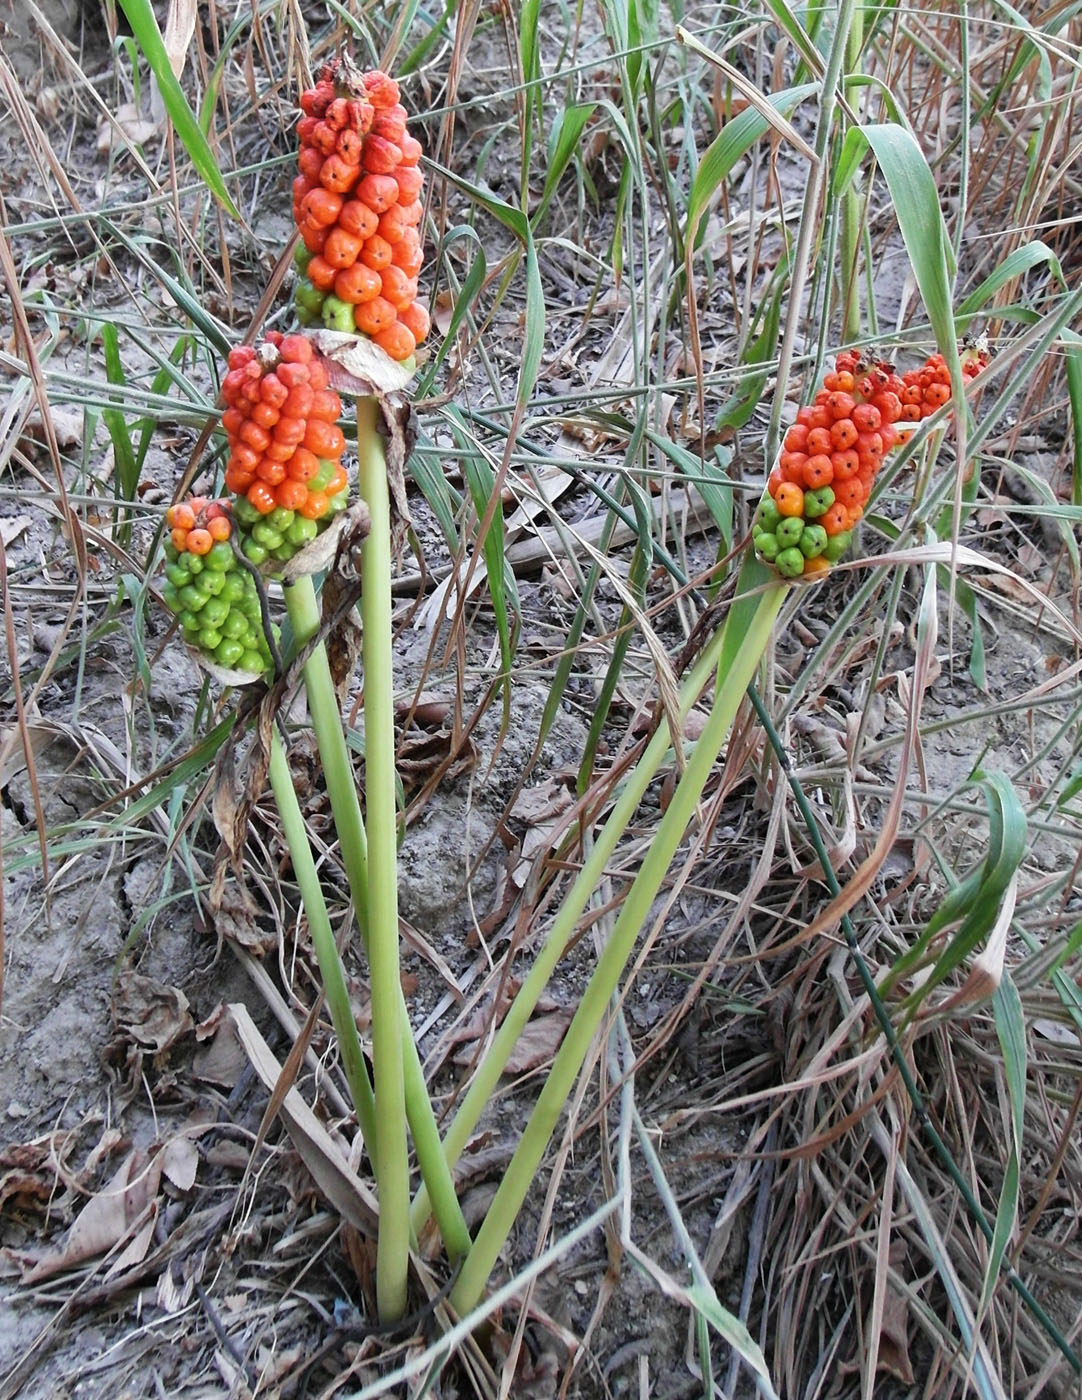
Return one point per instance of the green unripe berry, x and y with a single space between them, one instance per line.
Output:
214 612
192 597
234 624
768 514
177 575
195 563
817 503
813 540
338 315
766 544
336 503
171 597
302 257
302 531
212 582
228 652
837 545
789 531
254 551
265 534
189 622
219 557
252 661
790 563
245 512
279 519
209 638
322 478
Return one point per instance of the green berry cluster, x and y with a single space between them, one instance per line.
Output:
790 541
214 599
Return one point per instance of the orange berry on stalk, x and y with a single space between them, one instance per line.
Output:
416 319
379 192
850 493
789 499
396 341
796 439
290 431
310 163
339 481
382 90
818 471
866 417
936 395
342 249
410 183
835 519
358 218
392 224
349 146
200 541
399 289
411 149
256 437
845 463
843 434
326 405
317 375
819 440
220 527
322 207
841 404
376 252
323 438
408 254
338 174
291 494
181 516
298 403
314 239
261 495
237 480
358 283
278 451
314 507
179 536
265 414
773 481
297 349
320 272
374 316
303 465
270 471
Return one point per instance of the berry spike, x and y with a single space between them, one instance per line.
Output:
285 446
211 594
817 492
357 204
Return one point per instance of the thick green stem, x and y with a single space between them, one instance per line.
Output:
319 925
392 1162
304 615
741 652
851 200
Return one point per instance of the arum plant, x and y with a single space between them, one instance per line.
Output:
356 200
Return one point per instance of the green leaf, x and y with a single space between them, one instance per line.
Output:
565 137
732 1330
915 200
124 460
1012 266
1011 1029
140 14
731 144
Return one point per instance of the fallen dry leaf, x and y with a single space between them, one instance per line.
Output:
153 1015
116 1212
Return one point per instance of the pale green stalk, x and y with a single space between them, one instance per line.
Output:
741 653
319 926
391 1162
323 706
851 200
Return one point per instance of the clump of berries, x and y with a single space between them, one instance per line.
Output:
207 588
927 389
285 445
357 203
817 492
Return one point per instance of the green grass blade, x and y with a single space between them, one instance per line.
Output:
563 142
915 200
1074 393
140 14
1013 265
1011 1028
124 458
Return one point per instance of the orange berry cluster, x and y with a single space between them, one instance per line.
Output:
928 388
285 444
357 203
817 492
